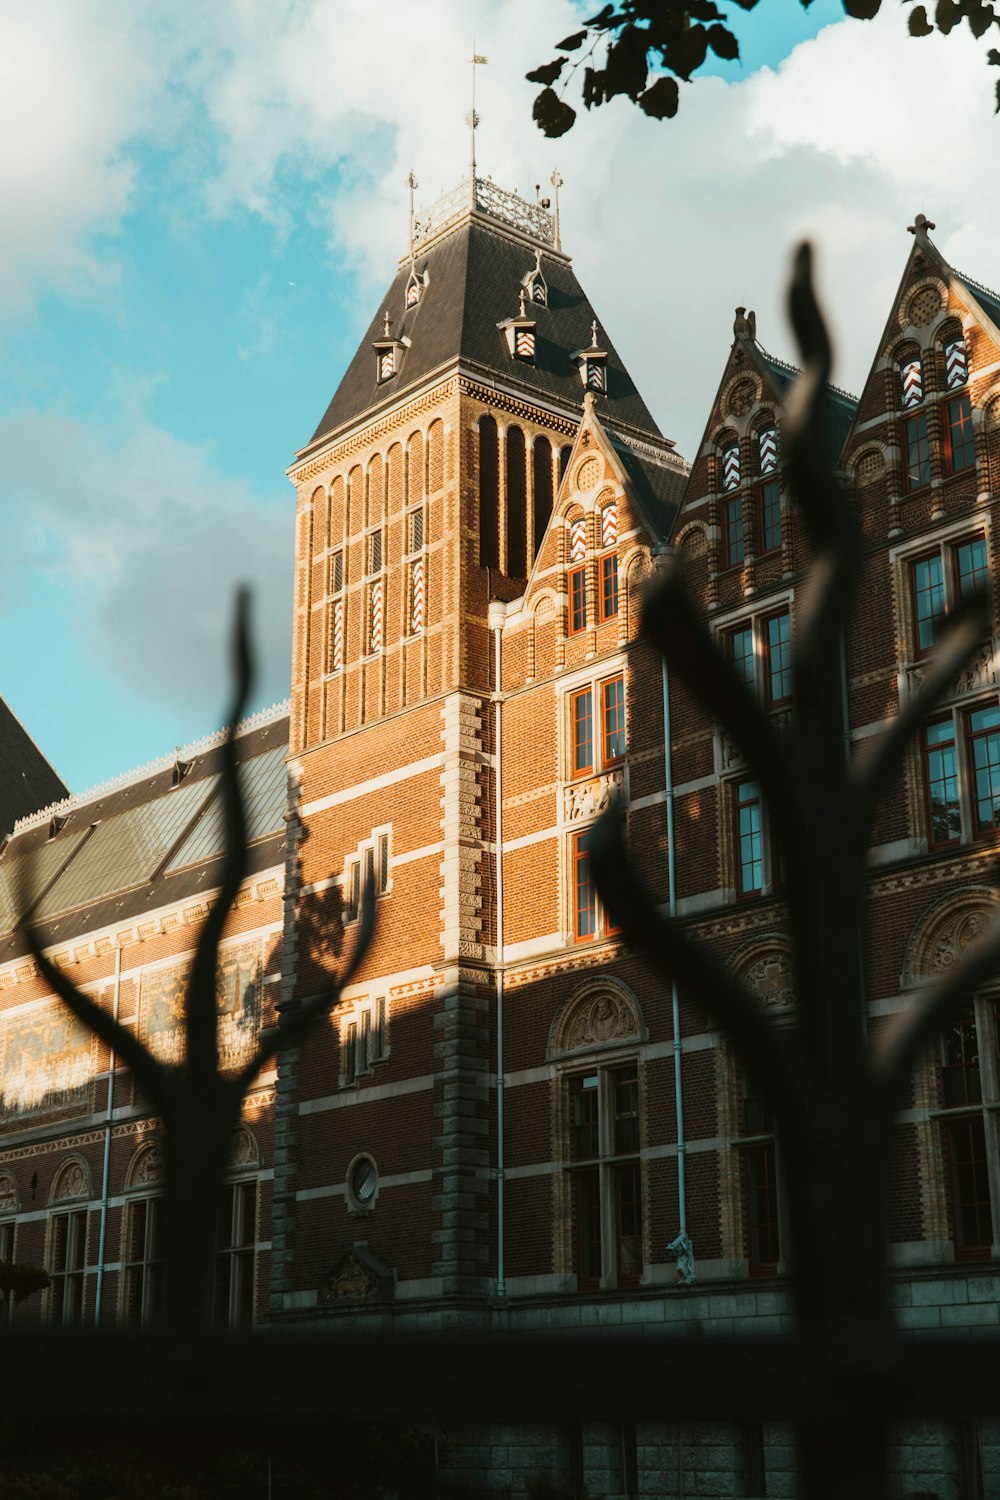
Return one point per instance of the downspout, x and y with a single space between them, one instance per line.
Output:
681 1244
496 616
106 1173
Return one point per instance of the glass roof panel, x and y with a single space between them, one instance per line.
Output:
36 869
263 783
125 849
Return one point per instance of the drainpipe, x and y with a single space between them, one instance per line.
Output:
106 1174
681 1245
496 616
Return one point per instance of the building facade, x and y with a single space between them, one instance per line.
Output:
507 1123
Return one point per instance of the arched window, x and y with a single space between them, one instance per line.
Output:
542 461
607 577
67 1244
142 1251
489 493
594 1043
517 504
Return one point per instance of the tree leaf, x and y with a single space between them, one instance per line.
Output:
723 43
993 57
980 18
601 17
570 43
918 22
661 99
997 110
687 51
625 70
547 74
552 115
947 14
862 10
593 87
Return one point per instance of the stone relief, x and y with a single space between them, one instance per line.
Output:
243 1152
951 944
591 797
741 397
923 306
8 1195
770 977
588 474
71 1183
979 673
358 1276
149 1167
604 1018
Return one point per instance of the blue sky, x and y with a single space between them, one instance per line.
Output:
204 204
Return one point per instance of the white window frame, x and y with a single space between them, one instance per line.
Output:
364 1037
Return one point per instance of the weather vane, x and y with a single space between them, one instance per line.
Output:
472 120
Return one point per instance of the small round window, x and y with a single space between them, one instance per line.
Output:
363 1181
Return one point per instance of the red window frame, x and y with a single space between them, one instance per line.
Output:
974 737
916 452
746 800
774 699
607 592
927 622
613 721
585 903
577 586
961 454
733 538
739 659
581 726
769 534
939 774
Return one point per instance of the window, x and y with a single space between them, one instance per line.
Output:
142 1272
911 380
739 649
606 1178
364 1038
769 516
375 552
733 550
234 1257
761 1227
524 345
386 364
8 1234
962 775
67 1266
362 1185
969 1094
941 578
607 590
767 450
959 448
917 453
335 572
749 838
596 375
590 920
370 864
416 530
956 363
609 697
577 600
777 637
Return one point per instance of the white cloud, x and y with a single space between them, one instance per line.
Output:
148 542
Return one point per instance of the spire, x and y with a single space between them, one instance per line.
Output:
472 120
411 183
557 183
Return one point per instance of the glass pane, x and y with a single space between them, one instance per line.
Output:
986 767
779 657
961 448
751 846
733 526
585 1097
577 600
614 720
960 1076
263 785
928 599
588 1224
625 1083
942 783
762 1206
918 454
585 894
609 587
740 644
583 732
970 1184
628 1206
971 566
770 516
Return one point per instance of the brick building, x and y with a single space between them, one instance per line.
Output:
507 1123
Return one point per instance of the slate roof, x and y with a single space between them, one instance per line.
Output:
988 301
475 273
144 843
27 781
840 408
658 481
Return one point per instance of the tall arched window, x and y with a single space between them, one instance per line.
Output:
542 461
489 494
517 504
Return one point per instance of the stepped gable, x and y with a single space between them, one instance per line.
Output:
144 841
27 781
474 268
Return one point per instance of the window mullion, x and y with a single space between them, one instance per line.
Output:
966 784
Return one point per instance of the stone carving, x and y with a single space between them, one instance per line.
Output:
149 1167
870 466
603 1018
979 673
730 752
588 474
952 943
741 397
71 1183
770 978
589 798
8 1195
923 306
243 1151
359 1276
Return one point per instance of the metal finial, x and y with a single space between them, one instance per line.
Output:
386 324
472 120
520 298
557 183
411 183
593 334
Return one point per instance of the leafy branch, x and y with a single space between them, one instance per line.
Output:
651 44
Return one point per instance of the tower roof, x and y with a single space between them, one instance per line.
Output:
27 781
472 269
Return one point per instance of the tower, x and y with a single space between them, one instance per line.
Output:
425 505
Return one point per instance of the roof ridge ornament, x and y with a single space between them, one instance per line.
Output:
411 183
472 120
745 324
557 183
920 226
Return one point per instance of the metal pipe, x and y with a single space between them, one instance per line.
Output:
106 1173
496 622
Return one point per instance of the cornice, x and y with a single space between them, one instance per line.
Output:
388 420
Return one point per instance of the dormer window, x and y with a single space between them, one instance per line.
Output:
415 287
535 285
388 352
520 334
593 364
